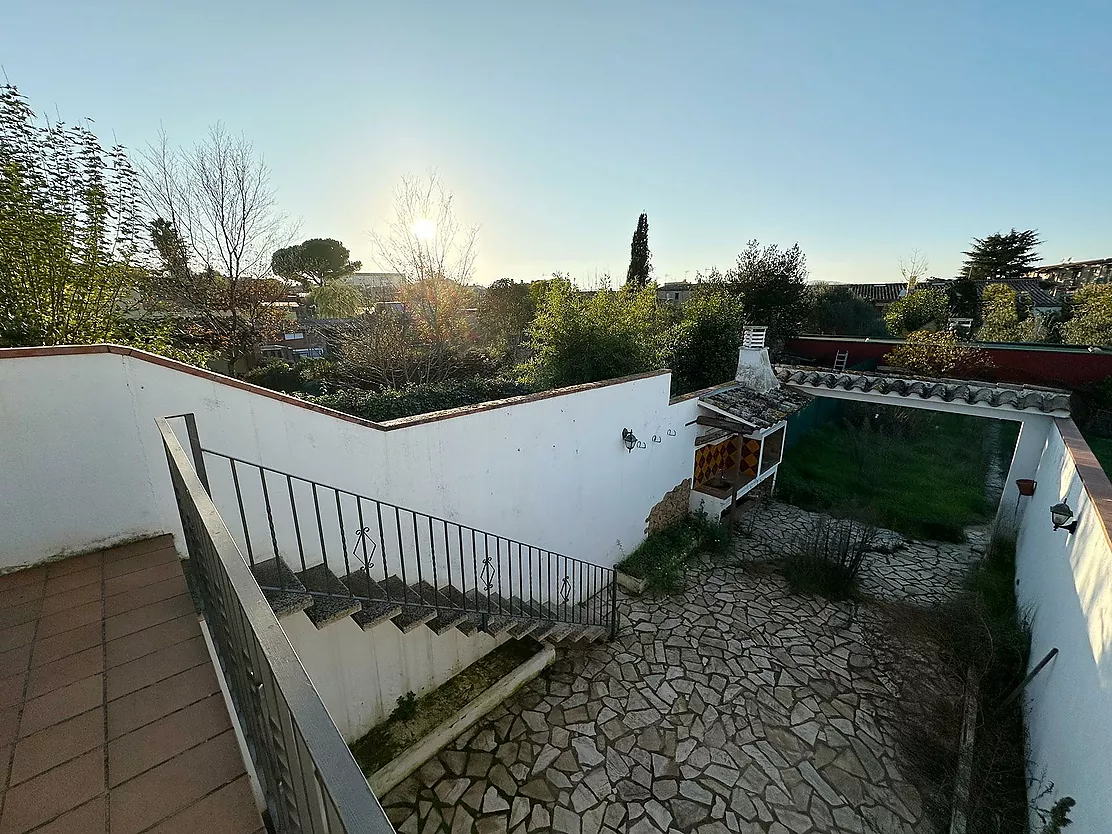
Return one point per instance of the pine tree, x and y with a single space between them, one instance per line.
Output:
639 255
997 256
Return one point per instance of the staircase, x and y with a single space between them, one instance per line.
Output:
333 555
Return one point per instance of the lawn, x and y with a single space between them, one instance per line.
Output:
1102 448
919 473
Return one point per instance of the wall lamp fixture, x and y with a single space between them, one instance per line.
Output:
1061 514
629 439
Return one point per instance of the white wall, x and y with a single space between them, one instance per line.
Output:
360 675
1066 583
83 464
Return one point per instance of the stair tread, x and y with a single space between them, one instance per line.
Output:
281 587
332 600
376 611
361 586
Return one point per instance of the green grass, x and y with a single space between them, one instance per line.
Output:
929 484
662 558
1102 448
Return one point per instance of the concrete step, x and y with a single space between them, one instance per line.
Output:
281 587
416 610
375 607
332 601
448 616
469 624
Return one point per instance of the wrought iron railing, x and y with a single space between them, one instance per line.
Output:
389 553
309 780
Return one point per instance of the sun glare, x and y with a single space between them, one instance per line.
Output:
423 228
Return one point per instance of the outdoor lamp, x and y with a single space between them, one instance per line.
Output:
1061 514
629 439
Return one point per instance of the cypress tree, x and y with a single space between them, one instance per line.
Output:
639 266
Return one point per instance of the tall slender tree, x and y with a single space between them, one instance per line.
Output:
639 267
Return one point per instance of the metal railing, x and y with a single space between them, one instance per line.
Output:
394 554
309 780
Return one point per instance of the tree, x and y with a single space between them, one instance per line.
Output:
578 339
999 314
770 283
1006 317
506 310
925 307
997 256
833 309
639 267
385 349
913 267
434 252
938 353
217 223
336 298
70 231
1090 321
314 262
705 341
964 298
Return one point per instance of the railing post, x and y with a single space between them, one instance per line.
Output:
195 449
614 606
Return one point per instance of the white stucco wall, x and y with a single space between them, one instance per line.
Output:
1065 582
360 675
83 464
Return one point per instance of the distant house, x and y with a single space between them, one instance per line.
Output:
1073 274
879 295
1043 301
675 292
379 286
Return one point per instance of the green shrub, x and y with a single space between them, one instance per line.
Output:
395 403
662 558
305 377
828 559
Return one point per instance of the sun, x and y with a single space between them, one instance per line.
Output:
423 228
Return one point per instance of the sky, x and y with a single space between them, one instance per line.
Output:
861 130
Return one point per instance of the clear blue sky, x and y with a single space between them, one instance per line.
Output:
863 130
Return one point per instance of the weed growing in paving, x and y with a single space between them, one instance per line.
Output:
662 559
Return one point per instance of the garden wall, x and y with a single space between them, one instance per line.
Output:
1065 581
361 674
84 467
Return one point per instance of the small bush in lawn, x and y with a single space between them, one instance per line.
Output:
827 559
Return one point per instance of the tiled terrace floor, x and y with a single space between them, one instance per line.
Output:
736 706
111 717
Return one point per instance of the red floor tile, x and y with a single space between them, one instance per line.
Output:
153 720
50 794
56 744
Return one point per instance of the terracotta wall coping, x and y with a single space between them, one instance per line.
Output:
390 425
1092 474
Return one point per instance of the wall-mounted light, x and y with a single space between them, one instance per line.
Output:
1061 514
671 432
656 439
629 439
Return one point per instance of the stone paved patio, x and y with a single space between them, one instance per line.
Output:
735 706
900 570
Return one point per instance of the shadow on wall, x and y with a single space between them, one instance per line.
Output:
1065 583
